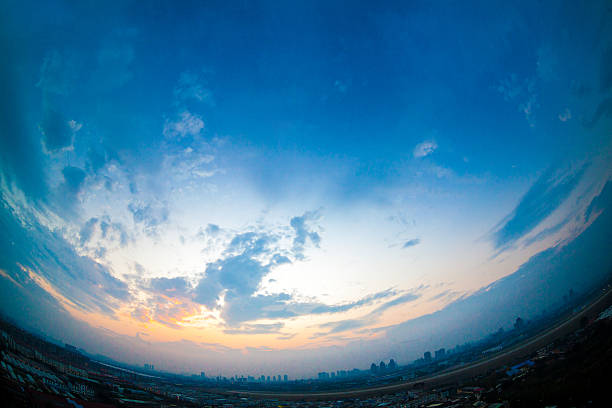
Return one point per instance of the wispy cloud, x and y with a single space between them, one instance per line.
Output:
424 148
187 124
411 243
256 329
192 86
370 318
550 190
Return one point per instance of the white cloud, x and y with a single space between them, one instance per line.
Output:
424 148
565 115
189 124
192 86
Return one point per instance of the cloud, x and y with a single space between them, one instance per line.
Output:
39 254
365 301
114 60
175 287
58 73
248 258
411 243
150 215
582 265
303 232
565 115
345 325
188 124
256 329
405 298
141 314
520 92
87 230
212 229
546 232
424 149
238 275
341 86
100 233
171 311
550 190
193 87
58 132
370 318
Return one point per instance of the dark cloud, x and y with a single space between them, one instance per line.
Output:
411 243
543 197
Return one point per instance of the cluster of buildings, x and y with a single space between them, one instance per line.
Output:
39 373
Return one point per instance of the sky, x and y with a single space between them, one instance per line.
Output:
290 187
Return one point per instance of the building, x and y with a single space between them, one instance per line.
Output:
392 365
427 356
286 378
440 354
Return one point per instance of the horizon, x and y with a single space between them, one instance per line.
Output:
292 188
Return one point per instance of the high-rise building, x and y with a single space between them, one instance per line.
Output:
373 368
202 374
427 356
286 378
382 366
392 365
440 353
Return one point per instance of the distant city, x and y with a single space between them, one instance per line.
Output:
36 372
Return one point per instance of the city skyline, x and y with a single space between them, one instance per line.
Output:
294 188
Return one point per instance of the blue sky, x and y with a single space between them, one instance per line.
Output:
261 177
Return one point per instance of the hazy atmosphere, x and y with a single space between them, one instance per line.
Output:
291 187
